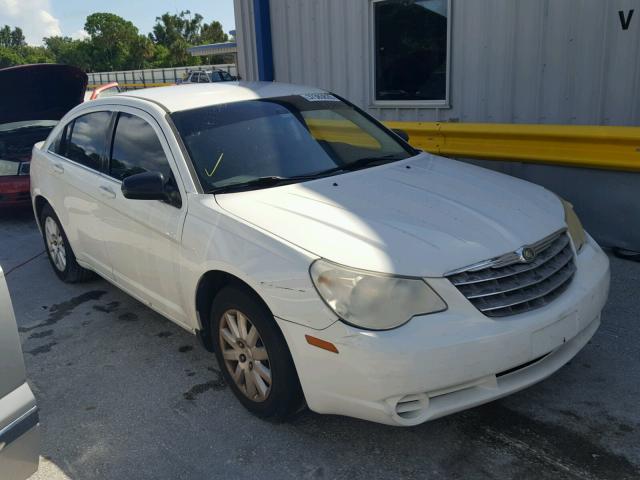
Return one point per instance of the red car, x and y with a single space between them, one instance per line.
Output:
32 100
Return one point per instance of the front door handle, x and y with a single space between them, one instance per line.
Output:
57 168
107 192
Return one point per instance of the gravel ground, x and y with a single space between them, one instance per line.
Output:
124 393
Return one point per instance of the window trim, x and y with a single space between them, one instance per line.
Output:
373 102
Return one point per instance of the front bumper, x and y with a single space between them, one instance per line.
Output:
443 363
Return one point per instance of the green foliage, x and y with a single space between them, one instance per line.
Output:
15 51
10 57
11 38
70 52
212 33
114 43
180 31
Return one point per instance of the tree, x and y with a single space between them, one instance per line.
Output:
141 51
12 38
9 57
36 55
172 28
115 42
212 33
68 51
15 51
178 32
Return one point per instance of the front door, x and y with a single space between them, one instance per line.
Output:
143 236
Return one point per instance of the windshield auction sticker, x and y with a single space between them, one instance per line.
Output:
319 97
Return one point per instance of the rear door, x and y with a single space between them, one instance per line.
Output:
78 157
144 238
19 435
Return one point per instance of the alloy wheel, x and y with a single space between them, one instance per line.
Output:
55 244
245 355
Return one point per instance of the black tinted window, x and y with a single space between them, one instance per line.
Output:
58 144
86 139
136 149
411 49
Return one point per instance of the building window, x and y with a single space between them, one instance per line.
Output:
411 51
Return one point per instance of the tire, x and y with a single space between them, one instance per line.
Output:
59 250
270 352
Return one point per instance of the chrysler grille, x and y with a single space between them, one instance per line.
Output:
507 285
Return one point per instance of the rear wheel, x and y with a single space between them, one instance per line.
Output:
253 354
58 249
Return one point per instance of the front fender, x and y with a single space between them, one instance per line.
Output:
277 271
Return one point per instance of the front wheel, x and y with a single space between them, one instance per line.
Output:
253 354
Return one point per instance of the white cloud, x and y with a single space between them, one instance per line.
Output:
33 16
80 34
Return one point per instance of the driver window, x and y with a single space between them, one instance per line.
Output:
136 149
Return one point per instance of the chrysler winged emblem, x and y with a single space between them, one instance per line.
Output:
528 254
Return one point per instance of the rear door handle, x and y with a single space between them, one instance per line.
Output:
57 168
107 192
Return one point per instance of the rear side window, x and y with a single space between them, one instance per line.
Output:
136 149
84 139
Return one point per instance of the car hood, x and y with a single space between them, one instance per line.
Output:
39 92
423 216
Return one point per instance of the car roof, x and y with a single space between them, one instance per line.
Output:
188 96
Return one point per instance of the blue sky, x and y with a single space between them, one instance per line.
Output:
40 18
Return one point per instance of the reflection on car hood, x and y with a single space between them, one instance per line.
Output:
39 92
423 216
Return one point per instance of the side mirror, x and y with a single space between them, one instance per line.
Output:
401 133
145 186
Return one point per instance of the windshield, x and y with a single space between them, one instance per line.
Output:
284 137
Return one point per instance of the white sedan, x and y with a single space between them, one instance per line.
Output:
316 252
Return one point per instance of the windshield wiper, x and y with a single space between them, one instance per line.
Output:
275 180
358 164
366 161
261 182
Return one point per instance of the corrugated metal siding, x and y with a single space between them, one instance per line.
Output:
523 61
246 39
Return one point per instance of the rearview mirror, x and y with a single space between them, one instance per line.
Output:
144 186
401 133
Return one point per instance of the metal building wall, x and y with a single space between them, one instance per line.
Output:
522 61
246 39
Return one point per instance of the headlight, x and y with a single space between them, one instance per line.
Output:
576 232
371 300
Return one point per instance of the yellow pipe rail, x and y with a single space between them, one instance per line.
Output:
614 148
